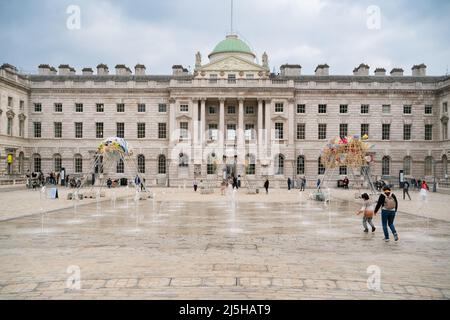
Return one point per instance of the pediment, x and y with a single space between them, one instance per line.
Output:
279 117
231 63
183 117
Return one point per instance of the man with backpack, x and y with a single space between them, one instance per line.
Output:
389 204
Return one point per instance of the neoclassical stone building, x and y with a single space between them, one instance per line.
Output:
231 116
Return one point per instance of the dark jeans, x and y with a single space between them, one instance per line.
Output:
195 188
387 219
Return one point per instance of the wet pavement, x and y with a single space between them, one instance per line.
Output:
221 250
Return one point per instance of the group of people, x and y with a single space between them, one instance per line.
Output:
388 203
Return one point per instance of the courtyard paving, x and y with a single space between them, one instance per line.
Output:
189 246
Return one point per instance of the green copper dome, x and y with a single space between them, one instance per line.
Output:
232 44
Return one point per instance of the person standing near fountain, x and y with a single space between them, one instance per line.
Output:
389 204
367 211
195 184
266 185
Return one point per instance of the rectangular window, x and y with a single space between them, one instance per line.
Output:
78 107
78 165
364 129
322 108
21 105
301 131
58 107
212 132
213 78
231 131
429 109
250 76
212 110
21 128
322 131
386 108
279 134
37 107
249 131
249 110
407 109
231 78
386 132
9 129
183 130
231 110
428 132
162 108
406 132
162 131
343 108
184 108
301 108
120 129
37 129
444 107
343 170
343 130
279 107
57 126
10 102
121 107
364 108
141 107
78 130
100 107
141 130
99 130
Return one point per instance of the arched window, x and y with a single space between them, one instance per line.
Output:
78 163
444 165
300 165
428 166
250 162
211 165
141 163
21 162
37 163
320 166
161 164
57 162
120 166
279 164
407 163
385 166
183 160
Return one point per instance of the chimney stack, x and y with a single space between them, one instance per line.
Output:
397 72
87 72
380 72
322 70
122 70
139 70
419 70
291 70
102 69
361 70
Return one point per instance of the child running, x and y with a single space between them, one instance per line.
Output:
367 210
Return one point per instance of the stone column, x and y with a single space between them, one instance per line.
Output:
195 123
241 128
221 122
260 122
172 123
291 121
203 120
268 122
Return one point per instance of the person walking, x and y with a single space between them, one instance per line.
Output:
289 183
367 211
318 184
406 190
195 184
239 181
389 205
235 183
266 185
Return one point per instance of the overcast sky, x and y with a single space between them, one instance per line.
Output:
160 34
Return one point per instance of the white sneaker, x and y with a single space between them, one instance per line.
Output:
386 240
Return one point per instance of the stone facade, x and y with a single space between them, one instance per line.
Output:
217 103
